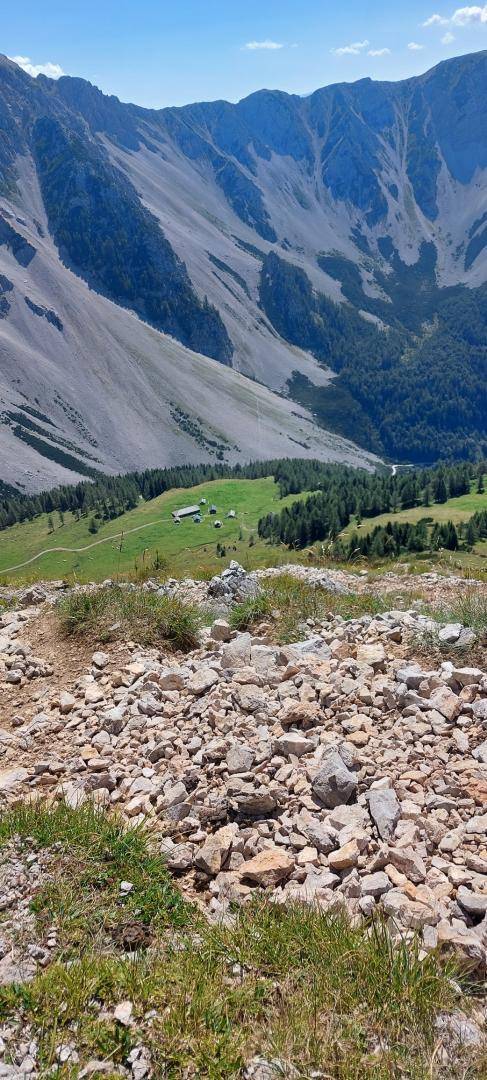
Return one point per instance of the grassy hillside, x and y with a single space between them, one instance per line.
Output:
456 510
150 537
184 549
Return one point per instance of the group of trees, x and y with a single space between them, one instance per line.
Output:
347 493
339 493
108 497
476 528
396 538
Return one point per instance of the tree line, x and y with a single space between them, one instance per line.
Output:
339 492
110 496
397 538
348 493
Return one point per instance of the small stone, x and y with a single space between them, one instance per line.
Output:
202 680
239 759
409 912
93 694
375 885
385 810
320 835
408 862
372 655
236 653
268 868
477 824
466 676
445 702
216 849
480 752
479 709
300 714
100 659
293 743
473 902
460 1029
9 778
334 784
250 699
14 677
180 857
67 702
123 1013
220 630
450 633
346 856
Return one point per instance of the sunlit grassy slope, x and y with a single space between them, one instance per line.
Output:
455 510
186 549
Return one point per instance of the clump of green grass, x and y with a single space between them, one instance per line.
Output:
111 613
469 608
91 853
294 984
245 615
288 602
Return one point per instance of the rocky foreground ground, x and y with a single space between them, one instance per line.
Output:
336 768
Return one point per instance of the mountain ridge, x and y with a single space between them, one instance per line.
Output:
376 192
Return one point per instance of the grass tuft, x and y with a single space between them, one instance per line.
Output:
294 984
91 853
469 608
112 613
288 602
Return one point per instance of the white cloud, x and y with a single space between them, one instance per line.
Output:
351 50
465 16
436 20
272 45
468 15
53 71
378 52
414 46
447 38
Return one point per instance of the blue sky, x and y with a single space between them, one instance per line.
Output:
156 53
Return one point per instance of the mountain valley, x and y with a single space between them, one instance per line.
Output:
217 282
